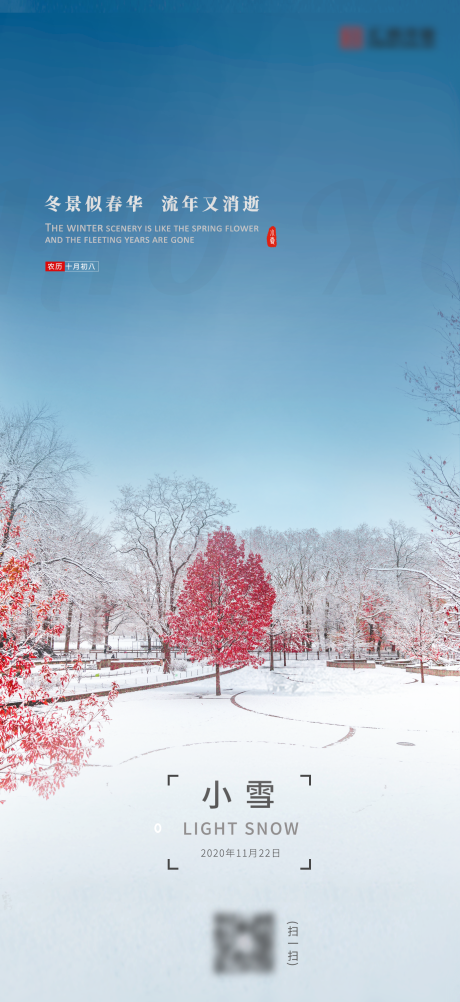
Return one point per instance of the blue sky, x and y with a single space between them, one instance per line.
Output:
276 375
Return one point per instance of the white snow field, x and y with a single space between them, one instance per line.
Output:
90 911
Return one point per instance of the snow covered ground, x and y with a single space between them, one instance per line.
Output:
89 908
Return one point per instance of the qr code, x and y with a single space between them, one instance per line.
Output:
243 943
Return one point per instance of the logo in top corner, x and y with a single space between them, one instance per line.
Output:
355 36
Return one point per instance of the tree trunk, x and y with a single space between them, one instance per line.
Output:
353 657
284 652
167 657
149 642
272 663
422 679
218 693
307 642
6 534
79 631
46 628
67 628
29 624
106 630
94 638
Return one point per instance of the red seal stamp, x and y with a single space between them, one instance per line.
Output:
271 237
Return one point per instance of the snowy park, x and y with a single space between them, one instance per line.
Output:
230 502
85 879
228 761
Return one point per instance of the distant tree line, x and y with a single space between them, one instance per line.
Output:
348 590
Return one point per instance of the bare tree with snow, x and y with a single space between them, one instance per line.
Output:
418 623
37 467
440 388
163 525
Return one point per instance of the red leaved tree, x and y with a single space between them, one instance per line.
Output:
419 626
42 741
224 608
374 619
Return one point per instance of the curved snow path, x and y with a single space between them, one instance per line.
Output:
194 744
323 723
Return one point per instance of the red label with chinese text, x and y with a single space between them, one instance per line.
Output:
54 265
271 237
351 36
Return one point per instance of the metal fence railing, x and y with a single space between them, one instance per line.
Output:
156 652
